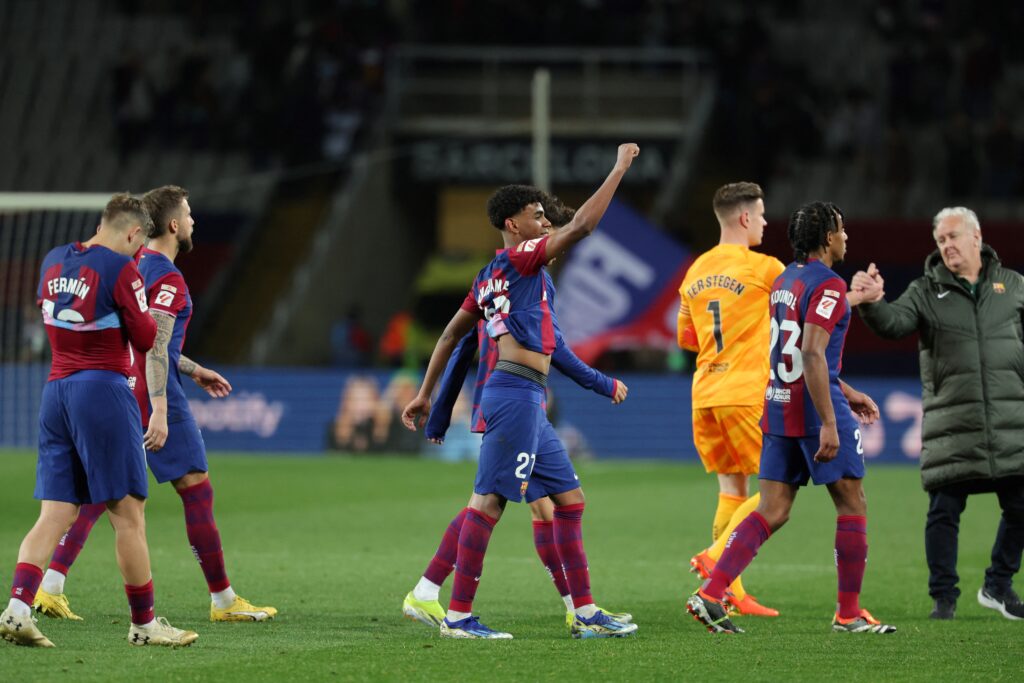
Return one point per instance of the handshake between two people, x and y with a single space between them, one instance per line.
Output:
867 287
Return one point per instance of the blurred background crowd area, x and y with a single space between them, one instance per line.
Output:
339 152
872 85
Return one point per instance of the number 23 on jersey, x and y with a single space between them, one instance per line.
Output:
790 331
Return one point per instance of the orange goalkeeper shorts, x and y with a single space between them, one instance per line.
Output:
728 438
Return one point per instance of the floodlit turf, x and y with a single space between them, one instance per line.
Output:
335 544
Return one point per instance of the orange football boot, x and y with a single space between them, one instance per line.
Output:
702 564
749 606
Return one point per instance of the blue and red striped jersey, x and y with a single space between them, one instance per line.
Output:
168 295
562 359
488 359
511 294
804 293
489 355
93 305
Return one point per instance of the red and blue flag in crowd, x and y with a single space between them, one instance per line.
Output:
619 287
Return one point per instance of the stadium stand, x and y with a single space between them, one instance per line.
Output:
344 95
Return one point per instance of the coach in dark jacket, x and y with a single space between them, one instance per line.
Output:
967 310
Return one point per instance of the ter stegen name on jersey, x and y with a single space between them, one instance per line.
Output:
716 281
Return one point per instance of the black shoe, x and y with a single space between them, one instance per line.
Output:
711 613
1007 604
944 609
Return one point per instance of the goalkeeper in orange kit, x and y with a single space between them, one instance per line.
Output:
723 316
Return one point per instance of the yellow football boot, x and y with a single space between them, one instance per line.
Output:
54 605
241 610
427 612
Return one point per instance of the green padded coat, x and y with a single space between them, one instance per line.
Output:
972 368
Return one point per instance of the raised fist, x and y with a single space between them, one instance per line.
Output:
627 152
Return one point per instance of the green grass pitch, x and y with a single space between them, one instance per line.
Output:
335 544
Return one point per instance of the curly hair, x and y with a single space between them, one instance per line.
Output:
557 212
509 200
163 204
810 226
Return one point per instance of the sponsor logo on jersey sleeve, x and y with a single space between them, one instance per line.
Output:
140 296
529 245
136 283
826 307
174 290
832 293
164 299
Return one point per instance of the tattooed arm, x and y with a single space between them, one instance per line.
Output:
213 383
156 381
187 366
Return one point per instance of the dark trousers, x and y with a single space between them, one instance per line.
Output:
943 526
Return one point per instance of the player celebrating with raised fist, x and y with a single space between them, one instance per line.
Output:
422 602
510 293
810 430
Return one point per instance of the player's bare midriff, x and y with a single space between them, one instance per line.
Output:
509 349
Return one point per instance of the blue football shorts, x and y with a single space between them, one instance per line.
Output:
521 457
183 452
90 440
790 459
553 472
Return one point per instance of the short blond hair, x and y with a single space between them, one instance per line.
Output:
735 195
124 211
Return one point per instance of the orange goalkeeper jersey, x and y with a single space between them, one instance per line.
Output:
724 301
